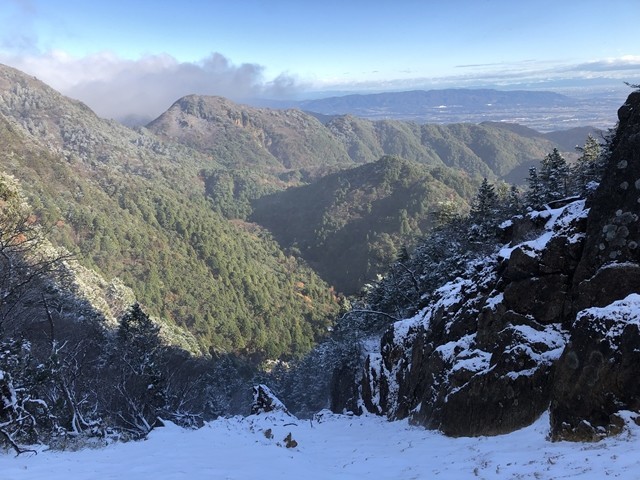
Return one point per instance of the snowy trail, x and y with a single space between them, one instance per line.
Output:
339 447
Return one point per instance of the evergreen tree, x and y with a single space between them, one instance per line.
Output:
535 195
555 176
514 201
139 374
446 212
484 209
588 168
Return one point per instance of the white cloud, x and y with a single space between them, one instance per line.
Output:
115 87
622 64
527 73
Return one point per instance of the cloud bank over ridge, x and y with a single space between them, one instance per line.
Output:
136 91
114 87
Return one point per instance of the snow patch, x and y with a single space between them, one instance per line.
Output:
451 293
462 355
551 340
618 315
559 220
336 447
401 328
494 301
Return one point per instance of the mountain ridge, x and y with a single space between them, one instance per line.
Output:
159 180
351 224
133 206
286 141
543 110
417 102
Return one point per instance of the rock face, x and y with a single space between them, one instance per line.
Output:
597 375
541 324
613 230
478 359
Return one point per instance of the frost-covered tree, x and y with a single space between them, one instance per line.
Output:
535 197
557 179
73 368
22 410
136 363
26 259
513 202
484 210
555 176
484 205
587 170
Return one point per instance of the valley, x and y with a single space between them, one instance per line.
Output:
347 262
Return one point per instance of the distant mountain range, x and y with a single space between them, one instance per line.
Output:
419 102
544 111
297 147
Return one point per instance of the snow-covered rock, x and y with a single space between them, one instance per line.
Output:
598 373
478 360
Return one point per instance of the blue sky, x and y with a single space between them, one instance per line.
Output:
280 48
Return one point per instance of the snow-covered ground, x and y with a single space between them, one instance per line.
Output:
334 447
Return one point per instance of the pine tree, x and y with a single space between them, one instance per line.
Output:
483 214
445 213
535 195
588 169
483 209
514 201
555 176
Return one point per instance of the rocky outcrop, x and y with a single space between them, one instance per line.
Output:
613 232
479 359
597 374
552 322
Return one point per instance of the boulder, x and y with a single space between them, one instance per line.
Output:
523 263
597 374
611 282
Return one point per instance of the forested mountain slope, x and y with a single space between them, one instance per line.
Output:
174 192
240 136
352 224
484 150
263 152
134 207
293 142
